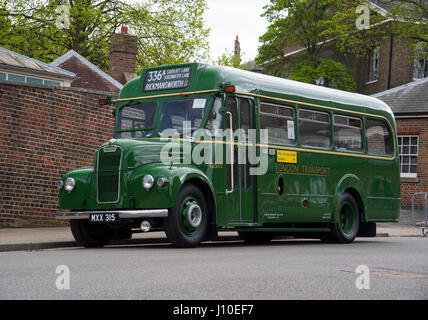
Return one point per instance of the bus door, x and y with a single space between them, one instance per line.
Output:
240 197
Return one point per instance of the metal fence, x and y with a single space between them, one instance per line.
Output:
420 212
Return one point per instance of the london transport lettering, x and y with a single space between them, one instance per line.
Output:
302 170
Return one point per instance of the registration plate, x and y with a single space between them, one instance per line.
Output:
103 217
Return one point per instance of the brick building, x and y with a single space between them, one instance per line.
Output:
409 103
389 65
88 76
48 129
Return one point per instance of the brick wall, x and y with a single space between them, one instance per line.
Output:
417 127
44 133
401 71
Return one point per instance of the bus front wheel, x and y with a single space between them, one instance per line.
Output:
187 222
91 235
346 229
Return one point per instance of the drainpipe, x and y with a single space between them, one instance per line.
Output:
390 60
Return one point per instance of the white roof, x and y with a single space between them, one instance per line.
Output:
16 61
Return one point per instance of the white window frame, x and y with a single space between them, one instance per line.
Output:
420 65
400 147
374 66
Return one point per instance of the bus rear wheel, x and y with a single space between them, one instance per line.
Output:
91 235
346 229
187 222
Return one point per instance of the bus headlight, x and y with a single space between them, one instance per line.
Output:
60 185
69 185
148 181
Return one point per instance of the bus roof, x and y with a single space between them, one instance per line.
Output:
207 77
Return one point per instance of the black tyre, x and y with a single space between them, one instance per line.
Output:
256 237
347 228
187 222
91 235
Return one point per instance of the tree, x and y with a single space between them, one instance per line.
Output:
334 74
406 18
229 59
411 21
295 23
301 24
357 29
169 31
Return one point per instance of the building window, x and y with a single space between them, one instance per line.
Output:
374 65
34 80
408 150
420 65
2 76
52 83
14 77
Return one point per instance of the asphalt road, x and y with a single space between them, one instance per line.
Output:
284 269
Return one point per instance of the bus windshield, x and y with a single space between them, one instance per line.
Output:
184 116
137 120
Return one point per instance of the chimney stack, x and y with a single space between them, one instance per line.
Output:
123 56
237 51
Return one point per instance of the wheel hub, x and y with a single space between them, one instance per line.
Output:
194 215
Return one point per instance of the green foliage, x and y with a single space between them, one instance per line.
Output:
335 74
295 24
406 18
229 59
169 31
310 25
411 23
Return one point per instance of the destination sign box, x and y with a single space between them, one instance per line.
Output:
167 79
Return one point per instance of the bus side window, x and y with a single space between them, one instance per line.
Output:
378 137
314 128
280 123
348 133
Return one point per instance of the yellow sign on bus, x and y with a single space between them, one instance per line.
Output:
286 156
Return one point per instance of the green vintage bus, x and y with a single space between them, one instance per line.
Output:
328 168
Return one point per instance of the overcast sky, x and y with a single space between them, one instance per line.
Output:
229 18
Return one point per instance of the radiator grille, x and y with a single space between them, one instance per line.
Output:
108 174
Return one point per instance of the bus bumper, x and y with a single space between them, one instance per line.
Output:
123 214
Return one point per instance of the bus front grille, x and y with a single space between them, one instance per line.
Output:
108 174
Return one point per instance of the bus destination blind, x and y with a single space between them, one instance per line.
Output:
167 79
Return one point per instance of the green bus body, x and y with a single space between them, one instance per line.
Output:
299 193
